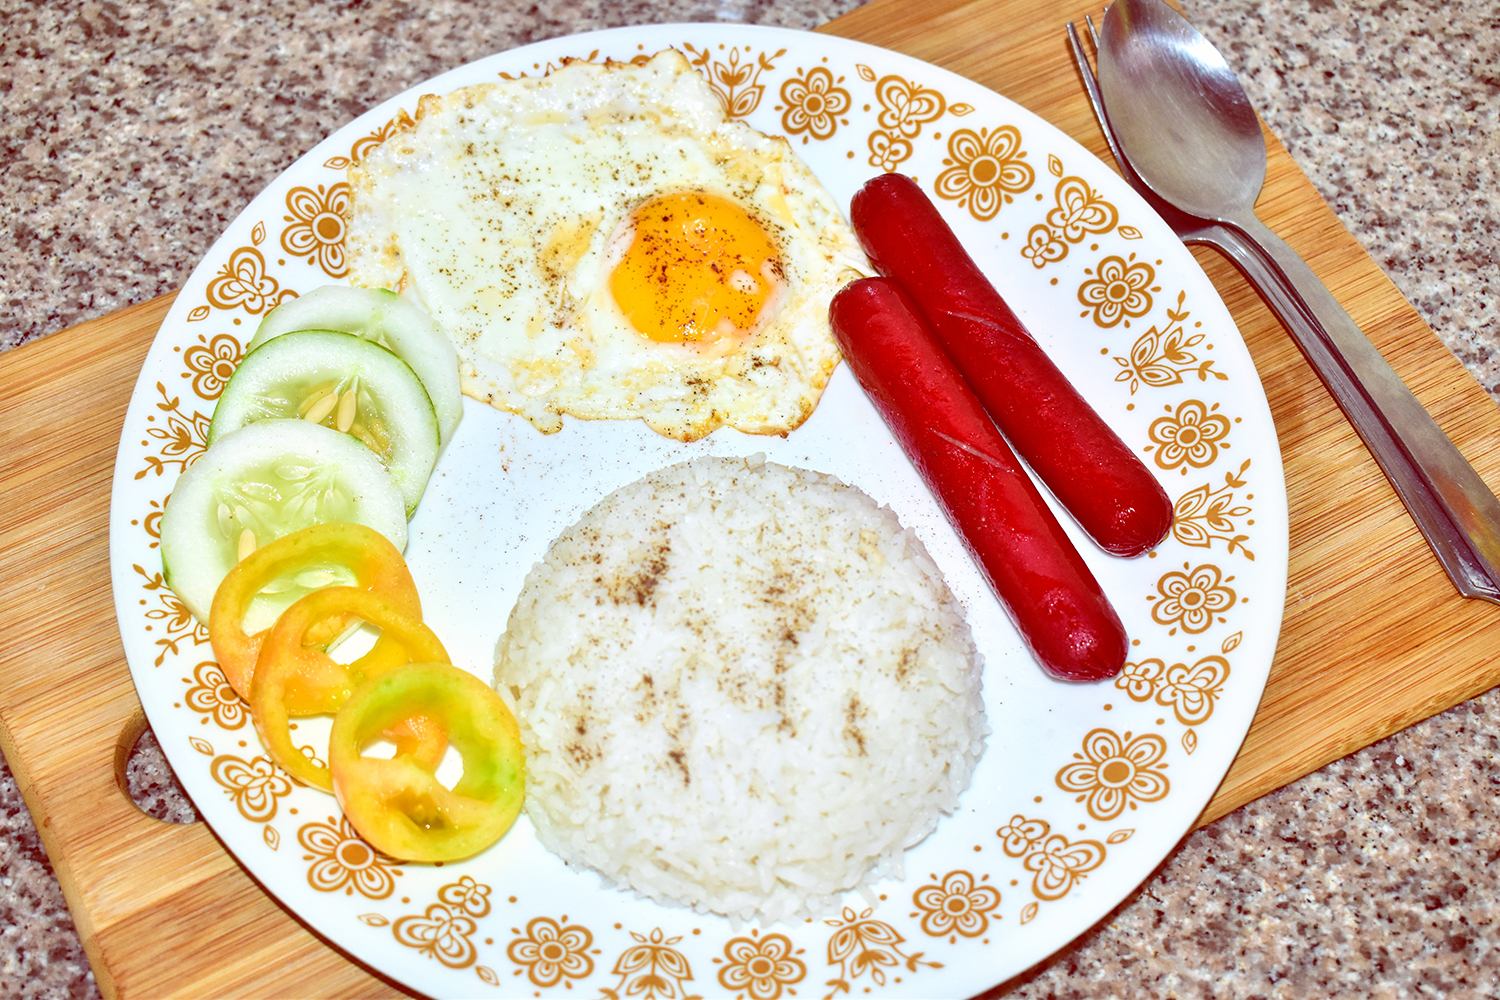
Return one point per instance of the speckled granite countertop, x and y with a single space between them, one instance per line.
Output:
134 132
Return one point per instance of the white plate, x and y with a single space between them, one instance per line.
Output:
1082 790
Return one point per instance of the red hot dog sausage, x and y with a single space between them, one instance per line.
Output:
1008 528
1094 474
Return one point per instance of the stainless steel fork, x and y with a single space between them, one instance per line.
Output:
1469 553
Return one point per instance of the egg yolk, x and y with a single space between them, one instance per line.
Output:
698 268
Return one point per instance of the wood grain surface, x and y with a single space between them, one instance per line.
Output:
1374 638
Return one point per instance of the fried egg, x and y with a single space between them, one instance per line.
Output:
605 242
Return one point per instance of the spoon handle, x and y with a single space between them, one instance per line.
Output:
1451 505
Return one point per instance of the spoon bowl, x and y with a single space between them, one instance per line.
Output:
1179 113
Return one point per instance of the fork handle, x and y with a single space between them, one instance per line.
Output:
1451 505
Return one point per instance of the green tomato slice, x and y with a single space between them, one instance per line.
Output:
397 803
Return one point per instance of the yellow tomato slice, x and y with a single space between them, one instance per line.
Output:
376 564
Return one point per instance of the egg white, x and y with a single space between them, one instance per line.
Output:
501 209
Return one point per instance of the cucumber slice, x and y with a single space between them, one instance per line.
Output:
269 479
341 381
380 315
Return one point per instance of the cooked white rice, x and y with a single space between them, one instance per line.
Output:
743 688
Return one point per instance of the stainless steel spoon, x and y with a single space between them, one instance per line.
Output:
1188 132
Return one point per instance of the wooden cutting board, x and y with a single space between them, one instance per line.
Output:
1374 639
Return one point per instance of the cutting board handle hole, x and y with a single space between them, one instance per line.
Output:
143 774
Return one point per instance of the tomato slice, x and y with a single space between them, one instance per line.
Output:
293 678
398 805
422 738
376 564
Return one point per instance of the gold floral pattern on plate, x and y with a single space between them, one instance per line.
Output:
245 283
365 143
1204 515
1056 863
179 441
956 905
211 694
444 931
1190 691
1164 354
1190 436
761 967
813 104
551 951
169 613
735 83
342 860
151 524
1192 598
905 106
652 969
1118 290
210 362
316 226
253 785
1115 771
1080 211
984 170
863 946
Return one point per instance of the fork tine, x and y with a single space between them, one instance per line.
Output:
1091 87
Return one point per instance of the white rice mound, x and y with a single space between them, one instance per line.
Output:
743 688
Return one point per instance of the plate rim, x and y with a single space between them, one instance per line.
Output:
664 33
